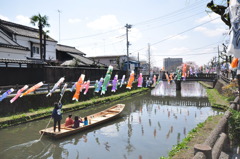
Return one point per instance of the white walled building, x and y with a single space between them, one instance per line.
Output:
22 42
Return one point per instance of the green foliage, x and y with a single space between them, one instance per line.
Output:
31 110
230 90
234 126
217 100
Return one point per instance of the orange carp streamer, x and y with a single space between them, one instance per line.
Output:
79 84
33 88
130 81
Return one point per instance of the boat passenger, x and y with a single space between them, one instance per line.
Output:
85 121
77 122
69 121
57 116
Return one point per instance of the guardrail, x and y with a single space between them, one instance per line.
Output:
216 141
225 79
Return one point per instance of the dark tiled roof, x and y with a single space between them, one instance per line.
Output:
85 60
81 60
22 61
72 63
108 56
64 48
18 47
21 30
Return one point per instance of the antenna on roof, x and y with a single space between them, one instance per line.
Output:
59 12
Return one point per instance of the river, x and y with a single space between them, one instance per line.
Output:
147 129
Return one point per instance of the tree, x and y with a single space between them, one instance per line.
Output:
41 21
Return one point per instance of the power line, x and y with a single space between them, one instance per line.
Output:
188 54
92 35
178 12
177 34
184 18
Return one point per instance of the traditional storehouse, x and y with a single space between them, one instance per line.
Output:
22 42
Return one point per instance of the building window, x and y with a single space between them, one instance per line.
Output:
35 50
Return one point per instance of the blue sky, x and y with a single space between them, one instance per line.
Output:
173 28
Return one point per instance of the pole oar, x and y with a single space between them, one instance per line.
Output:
45 129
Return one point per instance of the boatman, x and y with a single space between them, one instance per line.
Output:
57 116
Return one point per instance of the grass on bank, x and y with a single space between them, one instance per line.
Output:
216 99
46 112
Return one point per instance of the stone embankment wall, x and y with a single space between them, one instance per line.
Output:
217 141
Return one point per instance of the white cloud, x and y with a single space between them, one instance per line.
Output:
20 19
4 18
179 50
179 37
211 32
74 20
176 37
134 35
104 23
209 17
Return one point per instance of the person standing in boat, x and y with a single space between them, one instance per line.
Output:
69 121
57 116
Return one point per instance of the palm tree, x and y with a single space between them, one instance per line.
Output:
41 21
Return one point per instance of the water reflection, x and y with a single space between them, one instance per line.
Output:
189 89
153 122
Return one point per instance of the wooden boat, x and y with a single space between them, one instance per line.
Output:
93 120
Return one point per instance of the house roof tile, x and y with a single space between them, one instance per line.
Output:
18 47
21 30
3 60
64 48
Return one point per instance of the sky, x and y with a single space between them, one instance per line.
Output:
174 28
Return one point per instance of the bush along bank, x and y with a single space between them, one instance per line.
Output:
234 127
46 112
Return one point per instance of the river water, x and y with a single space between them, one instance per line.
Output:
148 128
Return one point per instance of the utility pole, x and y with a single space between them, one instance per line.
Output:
128 26
218 65
149 59
59 12
138 70
138 56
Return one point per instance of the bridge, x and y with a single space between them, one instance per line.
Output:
206 77
209 77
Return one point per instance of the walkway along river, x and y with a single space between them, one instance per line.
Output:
148 128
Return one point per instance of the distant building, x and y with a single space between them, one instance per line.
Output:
170 64
117 61
144 68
